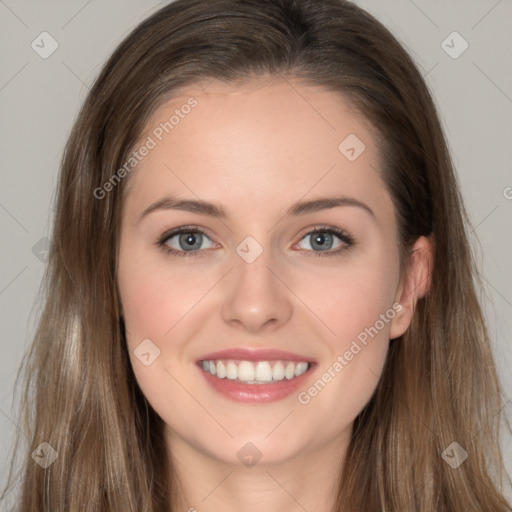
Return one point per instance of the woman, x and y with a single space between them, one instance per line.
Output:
260 288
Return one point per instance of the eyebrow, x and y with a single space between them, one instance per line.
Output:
214 210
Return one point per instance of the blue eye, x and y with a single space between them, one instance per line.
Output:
189 241
323 238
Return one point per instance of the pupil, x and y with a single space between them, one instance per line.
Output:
190 241
322 240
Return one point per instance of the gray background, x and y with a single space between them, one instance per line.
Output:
39 99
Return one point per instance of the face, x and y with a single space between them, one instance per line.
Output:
266 280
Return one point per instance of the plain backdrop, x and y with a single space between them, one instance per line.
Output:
469 74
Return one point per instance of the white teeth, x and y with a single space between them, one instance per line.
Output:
221 370
246 370
278 371
259 372
231 370
300 369
289 373
263 371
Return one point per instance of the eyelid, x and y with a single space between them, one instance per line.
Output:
182 229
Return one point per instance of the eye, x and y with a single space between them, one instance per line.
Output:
188 241
184 241
323 239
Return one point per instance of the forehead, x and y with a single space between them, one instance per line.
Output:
274 141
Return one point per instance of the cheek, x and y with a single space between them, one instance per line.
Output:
155 307
356 304
357 311
154 300
355 298
144 307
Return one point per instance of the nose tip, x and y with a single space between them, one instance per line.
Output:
253 323
255 299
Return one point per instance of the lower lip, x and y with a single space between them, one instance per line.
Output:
240 392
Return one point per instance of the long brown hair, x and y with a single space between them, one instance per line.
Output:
439 384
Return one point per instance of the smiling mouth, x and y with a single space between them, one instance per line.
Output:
254 372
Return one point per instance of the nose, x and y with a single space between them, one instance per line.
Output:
257 299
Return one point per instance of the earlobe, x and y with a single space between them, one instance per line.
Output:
413 285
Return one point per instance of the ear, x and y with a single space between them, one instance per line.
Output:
414 284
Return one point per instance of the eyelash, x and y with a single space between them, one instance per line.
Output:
347 239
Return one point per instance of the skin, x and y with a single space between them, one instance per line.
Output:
255 150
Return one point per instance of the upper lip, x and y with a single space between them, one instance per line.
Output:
261 354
